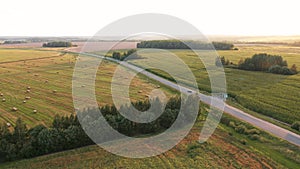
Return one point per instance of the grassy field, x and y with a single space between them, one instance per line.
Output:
272 95
43 76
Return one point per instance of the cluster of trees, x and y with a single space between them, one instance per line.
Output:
268 63
122 56
176 44
67 133
221 61
58 44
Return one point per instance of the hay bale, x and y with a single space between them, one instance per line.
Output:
82 85
36 74
14 109
54 91
24 101
34 111
1 94
46 81
27 91
140 91
3 100
28 97
8 124
28 87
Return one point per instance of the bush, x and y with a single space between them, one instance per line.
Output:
254 137
240 129
243 141
296 125
232 124
252 131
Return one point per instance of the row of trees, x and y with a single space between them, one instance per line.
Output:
58 44
268 63
122 56
67 133
176 44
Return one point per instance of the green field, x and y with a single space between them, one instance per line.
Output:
269 94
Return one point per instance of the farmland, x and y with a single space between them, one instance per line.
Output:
45 72
268 94
51 70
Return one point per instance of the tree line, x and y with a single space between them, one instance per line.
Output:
176 44
58 44
268 63
122 56
66 132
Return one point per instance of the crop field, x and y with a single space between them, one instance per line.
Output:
43 79
269 94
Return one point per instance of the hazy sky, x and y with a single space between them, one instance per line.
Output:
86 17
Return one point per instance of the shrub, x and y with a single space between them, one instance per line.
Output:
252 131
243 141
232 124
240 129
296 125
254 137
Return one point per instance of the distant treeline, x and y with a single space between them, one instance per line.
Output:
14 41
67 133
176 44
268 63
58 44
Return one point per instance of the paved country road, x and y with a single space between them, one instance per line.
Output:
259 123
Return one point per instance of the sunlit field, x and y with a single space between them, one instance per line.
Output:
43 79
273 95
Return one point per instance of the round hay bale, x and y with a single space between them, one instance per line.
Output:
28 87
3 100
27 91
54 91
14 109
46 81
8 124
24 101
140 91
82 85
28 97
34 111
1 94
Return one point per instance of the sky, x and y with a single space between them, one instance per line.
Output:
211 17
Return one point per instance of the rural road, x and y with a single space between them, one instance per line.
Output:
259 123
